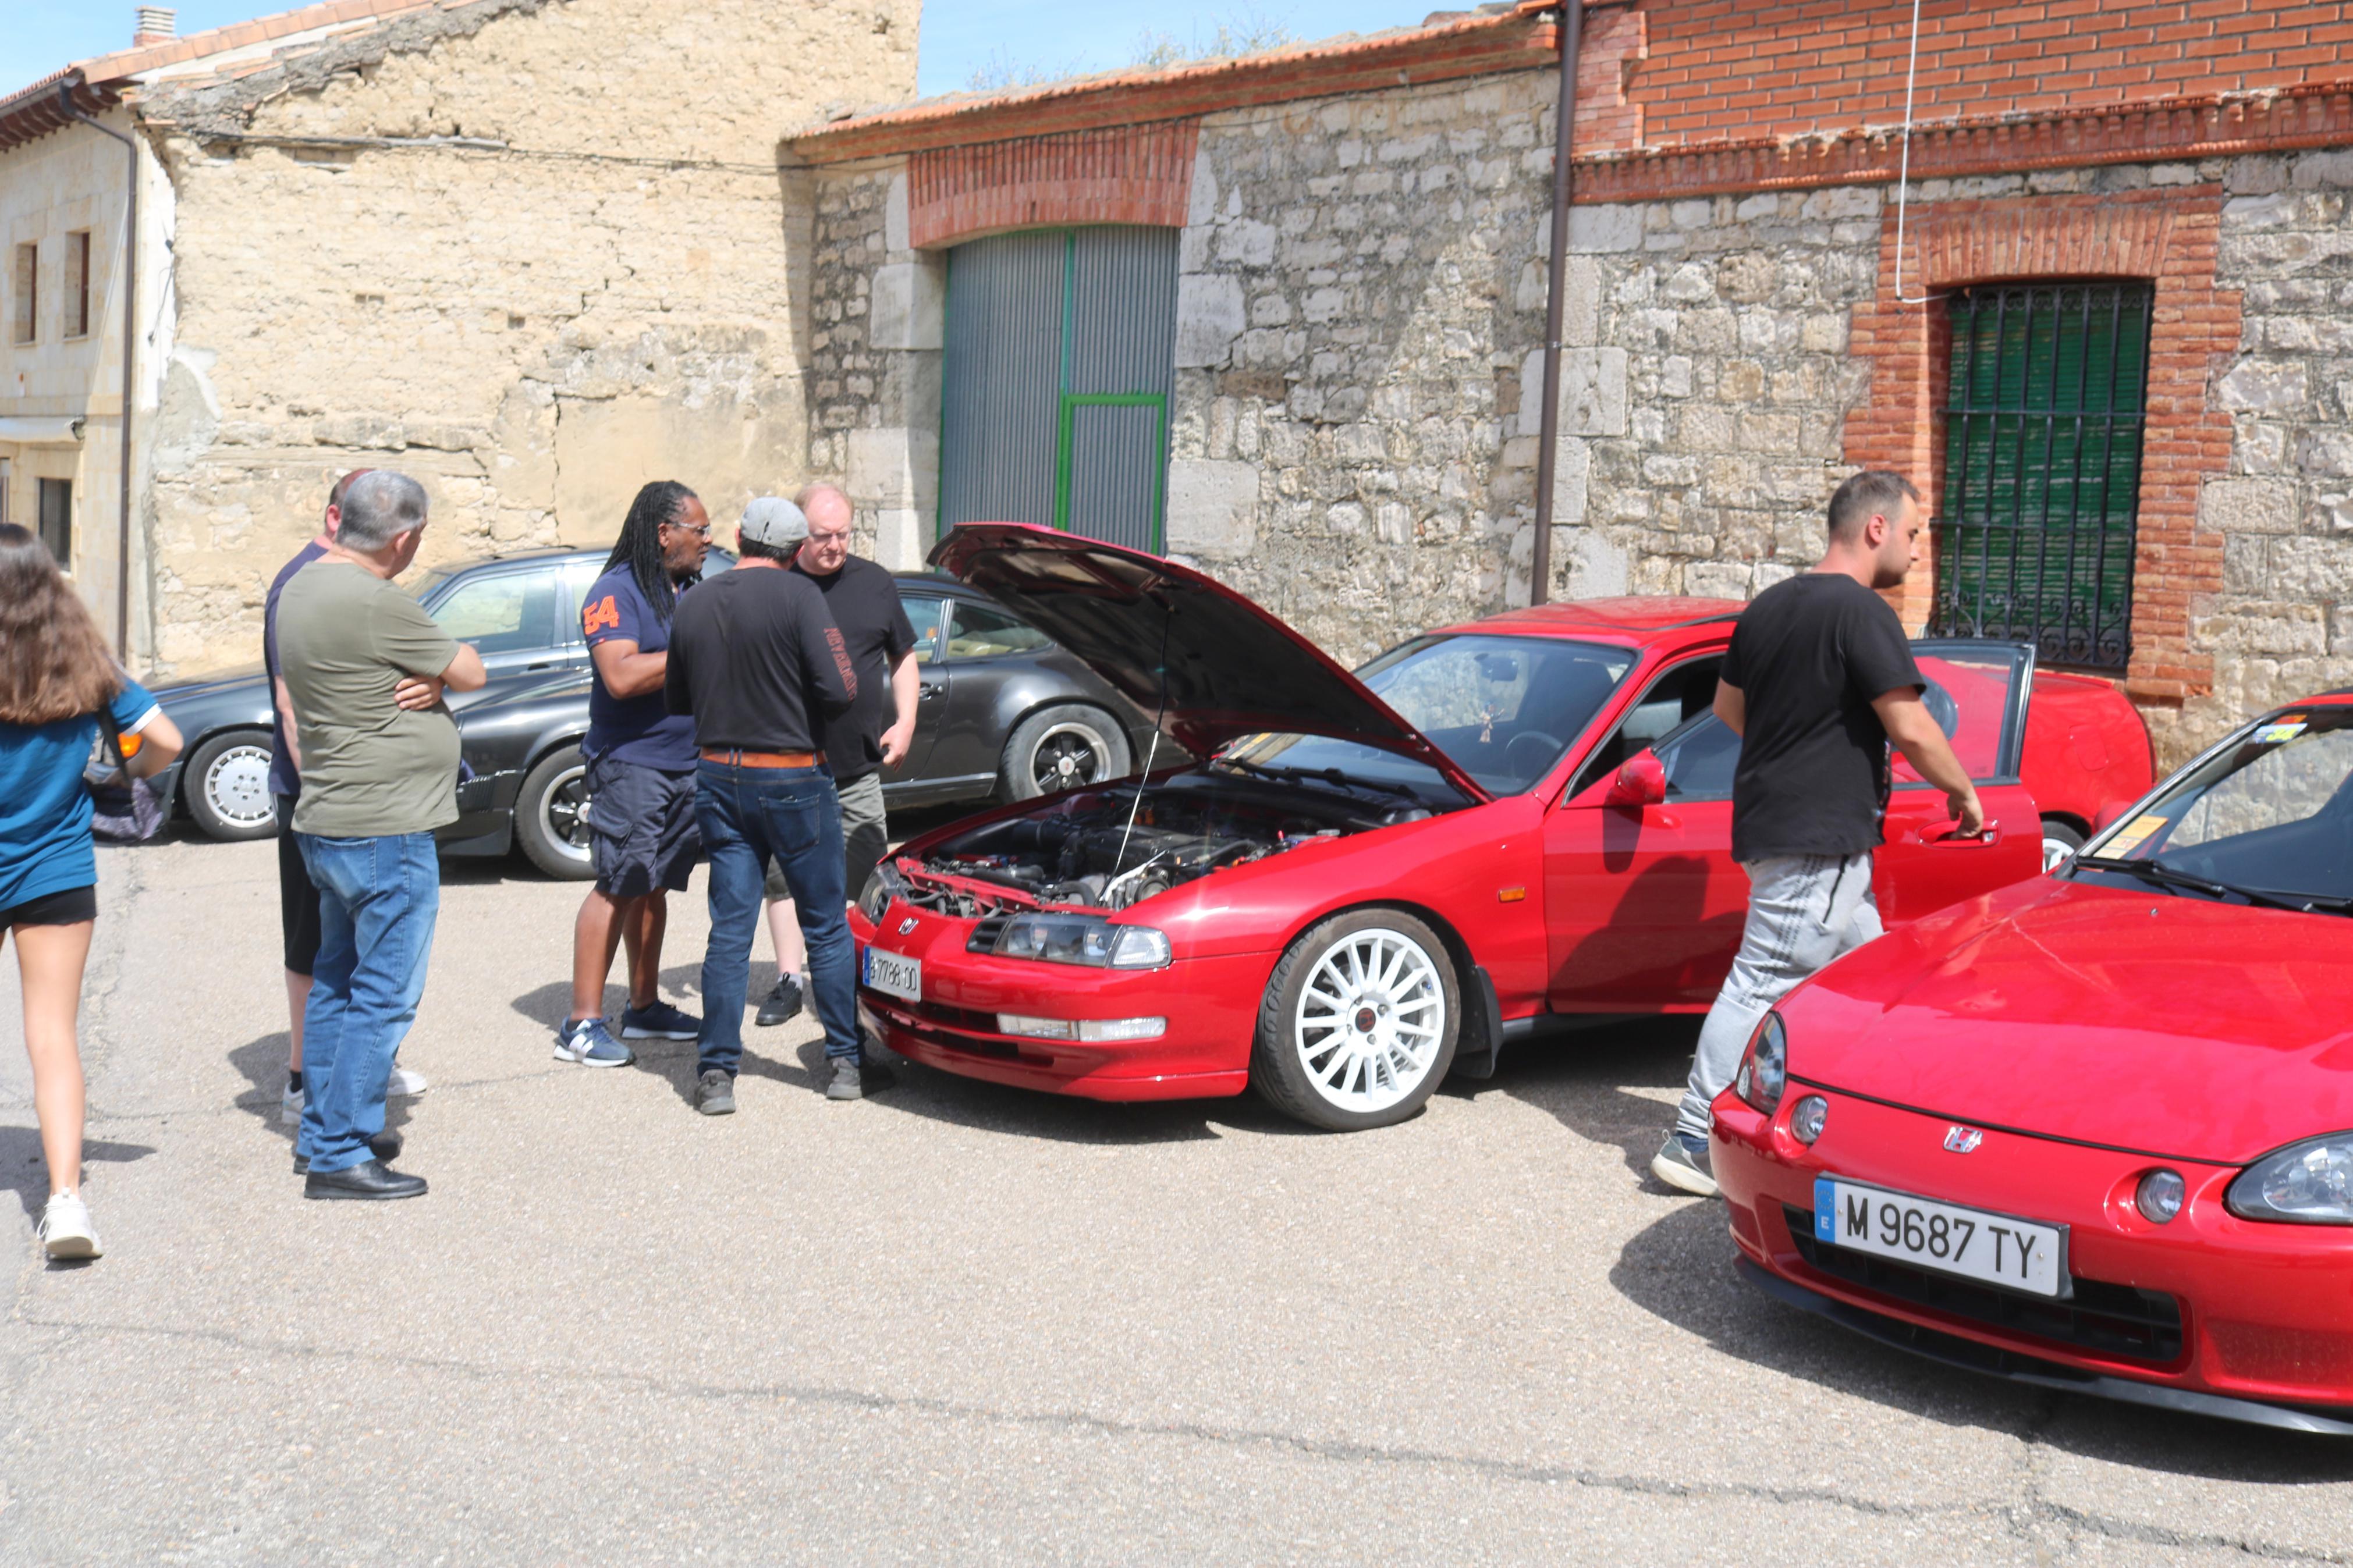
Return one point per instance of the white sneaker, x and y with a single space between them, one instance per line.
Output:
65 1227
290 1107
404 1084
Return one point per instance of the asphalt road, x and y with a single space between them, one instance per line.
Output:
960 1322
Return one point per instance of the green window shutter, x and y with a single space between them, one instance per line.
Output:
2042 451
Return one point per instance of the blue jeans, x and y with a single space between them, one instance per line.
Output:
377 901
791 816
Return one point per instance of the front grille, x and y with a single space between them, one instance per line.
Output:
2104 1319
985 934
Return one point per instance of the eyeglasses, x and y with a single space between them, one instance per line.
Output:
840 536
700 528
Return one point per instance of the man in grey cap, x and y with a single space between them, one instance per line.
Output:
756 658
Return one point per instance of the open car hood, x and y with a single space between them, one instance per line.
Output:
1232 669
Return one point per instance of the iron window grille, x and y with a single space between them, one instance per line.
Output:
2042 456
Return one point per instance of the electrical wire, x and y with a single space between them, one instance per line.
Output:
1904 164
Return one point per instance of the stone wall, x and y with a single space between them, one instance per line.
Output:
2282 627
576 269
874 361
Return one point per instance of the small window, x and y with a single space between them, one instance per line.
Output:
77 284
57 520
2042 459
7 478
1680 694
923 615
982 631
26 293
511 612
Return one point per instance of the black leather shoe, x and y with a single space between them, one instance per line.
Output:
370 1179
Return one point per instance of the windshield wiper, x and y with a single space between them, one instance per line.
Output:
1325 775
2166 875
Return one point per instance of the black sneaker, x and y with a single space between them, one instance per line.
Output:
369 1179
714 1093
855 1079
1683 1164
781 1004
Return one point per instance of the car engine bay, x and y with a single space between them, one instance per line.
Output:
1104 849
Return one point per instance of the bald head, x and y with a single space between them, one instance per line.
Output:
824 506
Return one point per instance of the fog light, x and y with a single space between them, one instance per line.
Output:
2160 1196
1806 1120
1089 1030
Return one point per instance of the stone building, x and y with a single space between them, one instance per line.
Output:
1284 316
534 251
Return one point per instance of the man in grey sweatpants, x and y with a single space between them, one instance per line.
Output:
1817 681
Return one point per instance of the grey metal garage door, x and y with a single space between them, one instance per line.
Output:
1061 344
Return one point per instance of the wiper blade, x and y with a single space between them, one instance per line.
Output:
2166 875
1323 776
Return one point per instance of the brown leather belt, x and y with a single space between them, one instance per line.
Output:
732 758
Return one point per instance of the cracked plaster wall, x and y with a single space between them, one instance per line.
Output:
621 296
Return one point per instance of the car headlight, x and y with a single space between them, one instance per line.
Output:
1765 1070
885 885
1090 940
2305 1183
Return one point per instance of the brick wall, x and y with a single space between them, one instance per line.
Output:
1729 70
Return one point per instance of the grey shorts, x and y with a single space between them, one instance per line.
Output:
641 831
865 833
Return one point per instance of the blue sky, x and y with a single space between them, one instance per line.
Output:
37 36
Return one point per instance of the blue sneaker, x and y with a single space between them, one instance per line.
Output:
588 1043
660 1022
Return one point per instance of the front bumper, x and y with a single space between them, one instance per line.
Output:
2211 1312
1211 1005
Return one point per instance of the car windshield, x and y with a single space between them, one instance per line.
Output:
1503 708
2267 817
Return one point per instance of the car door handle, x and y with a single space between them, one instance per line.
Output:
549 665
1947 835
931 693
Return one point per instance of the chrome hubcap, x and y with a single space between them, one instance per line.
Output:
1068 755
1369 1020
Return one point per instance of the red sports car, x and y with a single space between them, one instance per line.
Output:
2095 1131
1372 879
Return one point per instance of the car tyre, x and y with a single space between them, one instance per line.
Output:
1359 1022
2061 838
227 785
551 816
1060 748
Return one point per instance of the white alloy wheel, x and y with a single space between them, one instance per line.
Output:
1369 1020
237 786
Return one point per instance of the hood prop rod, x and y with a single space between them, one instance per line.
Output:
1168 616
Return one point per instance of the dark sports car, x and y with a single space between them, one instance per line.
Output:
1003 712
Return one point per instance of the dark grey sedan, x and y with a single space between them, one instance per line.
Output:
1003 712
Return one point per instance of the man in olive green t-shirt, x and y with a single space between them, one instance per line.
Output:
377 779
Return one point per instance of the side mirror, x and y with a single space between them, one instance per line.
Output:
2109 817
1642 782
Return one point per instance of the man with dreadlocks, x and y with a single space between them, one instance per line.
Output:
642 839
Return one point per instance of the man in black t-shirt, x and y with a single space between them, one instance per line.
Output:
863 599
1819 679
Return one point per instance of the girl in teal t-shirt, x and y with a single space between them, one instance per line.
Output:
56 679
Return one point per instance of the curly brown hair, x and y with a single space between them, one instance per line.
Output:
54 661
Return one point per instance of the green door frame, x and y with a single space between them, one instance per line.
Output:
1065 441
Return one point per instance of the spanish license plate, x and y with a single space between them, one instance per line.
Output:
1994 1248
893 975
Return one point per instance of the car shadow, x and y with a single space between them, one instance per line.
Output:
1587 1081
27 1173
1680 1269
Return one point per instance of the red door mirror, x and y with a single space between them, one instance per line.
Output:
2108 815
1642 782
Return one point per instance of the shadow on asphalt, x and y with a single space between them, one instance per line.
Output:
263 1062
29 1174
1679 1268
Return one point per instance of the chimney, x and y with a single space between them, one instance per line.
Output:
155 25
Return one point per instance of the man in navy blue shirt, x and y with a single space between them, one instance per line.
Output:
298 899
642 839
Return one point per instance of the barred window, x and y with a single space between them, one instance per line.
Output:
77 284
2042 455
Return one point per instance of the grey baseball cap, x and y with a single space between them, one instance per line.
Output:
775 523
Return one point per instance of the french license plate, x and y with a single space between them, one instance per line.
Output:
893 975
1995 1248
